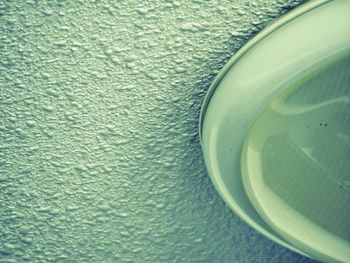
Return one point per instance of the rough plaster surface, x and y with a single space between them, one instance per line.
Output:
100 159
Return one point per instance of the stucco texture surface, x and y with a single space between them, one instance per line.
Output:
99 153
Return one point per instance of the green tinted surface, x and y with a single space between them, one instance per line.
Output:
303 143
99 153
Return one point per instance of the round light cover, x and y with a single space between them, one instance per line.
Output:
295 163
271 73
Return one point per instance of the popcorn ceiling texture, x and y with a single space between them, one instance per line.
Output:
100 158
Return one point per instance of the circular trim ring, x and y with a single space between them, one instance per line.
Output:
275 25
284 19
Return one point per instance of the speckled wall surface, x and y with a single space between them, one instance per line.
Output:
100 158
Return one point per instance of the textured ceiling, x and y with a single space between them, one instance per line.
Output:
99 152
